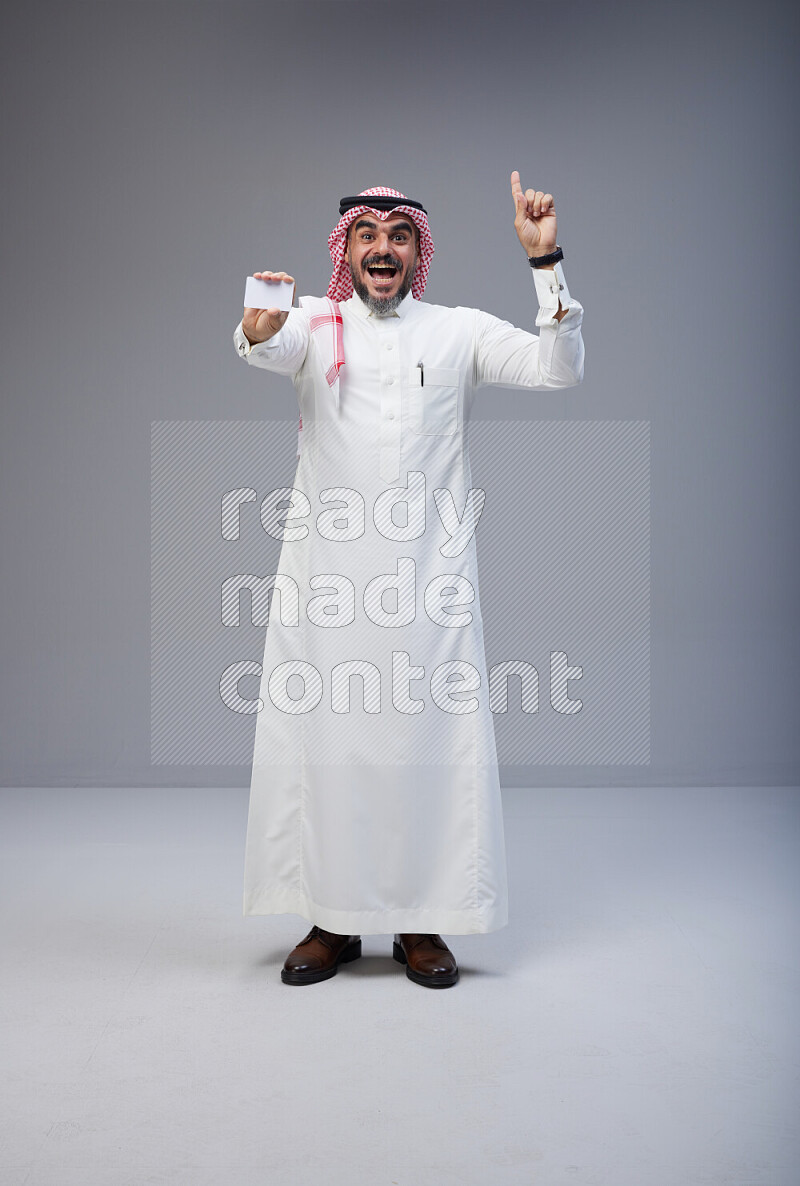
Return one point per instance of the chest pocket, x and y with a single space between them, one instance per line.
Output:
434 400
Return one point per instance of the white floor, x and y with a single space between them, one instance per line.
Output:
636 1024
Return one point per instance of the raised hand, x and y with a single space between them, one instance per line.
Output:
535 219
260 325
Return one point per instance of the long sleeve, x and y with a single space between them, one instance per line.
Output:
506 356
284 353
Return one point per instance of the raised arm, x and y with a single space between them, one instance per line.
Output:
535 224
510 357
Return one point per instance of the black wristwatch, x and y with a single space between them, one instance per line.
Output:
543 261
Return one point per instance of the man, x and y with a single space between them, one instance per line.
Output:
382 813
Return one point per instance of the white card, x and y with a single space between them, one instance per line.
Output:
268 294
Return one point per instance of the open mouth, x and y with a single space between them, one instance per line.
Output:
382 274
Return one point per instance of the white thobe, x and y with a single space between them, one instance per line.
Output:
375 801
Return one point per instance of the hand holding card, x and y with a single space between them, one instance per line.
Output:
268 298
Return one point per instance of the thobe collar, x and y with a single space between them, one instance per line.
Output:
357 306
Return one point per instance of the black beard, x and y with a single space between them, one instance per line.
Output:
382 306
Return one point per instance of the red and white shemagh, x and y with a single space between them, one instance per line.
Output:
325 323
325 316
341 285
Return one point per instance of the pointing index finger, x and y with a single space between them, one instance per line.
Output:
516 187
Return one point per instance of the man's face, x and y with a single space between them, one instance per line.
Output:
382 256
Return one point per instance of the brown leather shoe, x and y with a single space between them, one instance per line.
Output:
428 958
317 957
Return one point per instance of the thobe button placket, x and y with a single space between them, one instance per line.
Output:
389 466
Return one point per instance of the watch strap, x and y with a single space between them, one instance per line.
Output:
544 261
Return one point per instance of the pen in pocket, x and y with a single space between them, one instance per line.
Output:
421 374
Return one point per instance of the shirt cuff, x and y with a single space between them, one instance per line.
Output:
551 287
241 342
244 348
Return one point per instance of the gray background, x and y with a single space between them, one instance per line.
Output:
154 154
